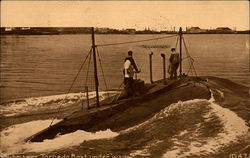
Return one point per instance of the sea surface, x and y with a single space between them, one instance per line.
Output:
35 65
193 128
38 71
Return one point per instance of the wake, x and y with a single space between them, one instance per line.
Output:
196 127
46 103
13 138
233 130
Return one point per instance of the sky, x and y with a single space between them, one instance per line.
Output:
158 15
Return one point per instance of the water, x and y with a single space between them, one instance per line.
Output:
37 71
34 66
190 136
48 103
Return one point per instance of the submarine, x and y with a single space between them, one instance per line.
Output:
119 112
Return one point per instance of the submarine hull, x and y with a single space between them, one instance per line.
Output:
127 112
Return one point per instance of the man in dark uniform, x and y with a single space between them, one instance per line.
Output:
174 63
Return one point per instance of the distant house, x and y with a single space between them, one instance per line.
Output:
194 30
131 31
25 28
102 30
8 29
223 29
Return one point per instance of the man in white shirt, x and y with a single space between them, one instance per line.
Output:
129 67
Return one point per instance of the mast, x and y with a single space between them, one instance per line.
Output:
95 67
180 33
150 67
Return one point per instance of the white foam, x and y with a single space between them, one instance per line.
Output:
144 152
172 153
161 115
13 135
234 129
221 93
13 138
48 102
164 113
183 133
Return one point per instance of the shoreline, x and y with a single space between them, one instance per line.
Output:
225 33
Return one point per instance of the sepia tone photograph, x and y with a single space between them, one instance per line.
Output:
124 79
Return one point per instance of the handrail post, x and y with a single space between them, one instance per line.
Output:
150 67
180 34
135 75
87 96
95 67
164 67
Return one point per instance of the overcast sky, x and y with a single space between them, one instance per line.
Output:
160 15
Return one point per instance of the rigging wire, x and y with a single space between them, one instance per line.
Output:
102 69
190 58
119 43
151 48
190 68
178 38
71 86
191 61
86 81
87 74
116 97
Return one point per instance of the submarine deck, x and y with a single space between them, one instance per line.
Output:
128 112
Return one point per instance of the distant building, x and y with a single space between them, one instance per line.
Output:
8 29
223 29
102 30
131 31
194 30
25 28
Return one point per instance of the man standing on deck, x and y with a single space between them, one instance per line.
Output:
174 63
129 67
